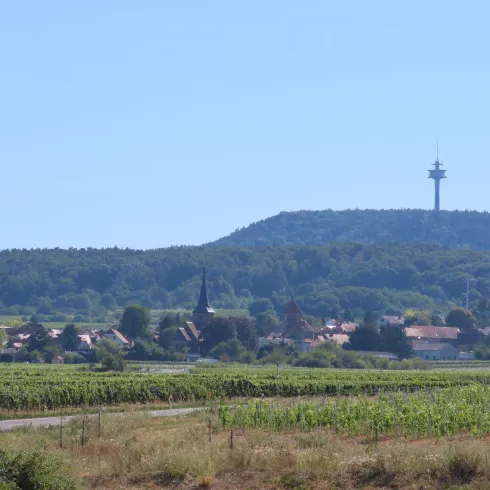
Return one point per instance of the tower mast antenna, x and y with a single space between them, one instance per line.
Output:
437 174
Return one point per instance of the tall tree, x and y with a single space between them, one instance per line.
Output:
348 316
247 333
260 306
232 350
167 322
365 337
218 330
370 319
167 336
110 355
395 340
39 340
461 318
69 339
135 321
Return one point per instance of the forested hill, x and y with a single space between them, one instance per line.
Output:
323 278
451 228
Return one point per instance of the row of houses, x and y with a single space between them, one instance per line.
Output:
22 337
428 342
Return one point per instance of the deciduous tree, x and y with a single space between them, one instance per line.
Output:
135 321
461 318
110 355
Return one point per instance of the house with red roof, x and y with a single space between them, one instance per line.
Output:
117 337
428 333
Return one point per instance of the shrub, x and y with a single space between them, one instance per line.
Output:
110 355
34 471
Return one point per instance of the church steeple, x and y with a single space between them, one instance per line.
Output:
203 305
203 313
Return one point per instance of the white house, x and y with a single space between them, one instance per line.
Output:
84 343
436 352
117 336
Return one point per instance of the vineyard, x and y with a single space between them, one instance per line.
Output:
426 413
38 387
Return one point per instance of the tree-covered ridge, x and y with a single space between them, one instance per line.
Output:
322 278
451 228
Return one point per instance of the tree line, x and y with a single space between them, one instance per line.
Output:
324 278
451 228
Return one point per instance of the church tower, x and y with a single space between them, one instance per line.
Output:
292 314
203 313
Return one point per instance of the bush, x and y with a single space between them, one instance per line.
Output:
74 358
34 471
110 355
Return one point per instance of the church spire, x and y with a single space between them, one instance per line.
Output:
203 295
203 305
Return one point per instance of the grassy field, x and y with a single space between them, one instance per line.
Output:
137 452
341 429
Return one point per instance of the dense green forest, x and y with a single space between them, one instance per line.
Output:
323 278
451 228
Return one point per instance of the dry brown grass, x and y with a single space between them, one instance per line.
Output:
138 452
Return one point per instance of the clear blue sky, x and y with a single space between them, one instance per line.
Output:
150 123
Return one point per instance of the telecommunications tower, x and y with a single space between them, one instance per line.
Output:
437 174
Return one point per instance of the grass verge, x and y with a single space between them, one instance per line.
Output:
135 451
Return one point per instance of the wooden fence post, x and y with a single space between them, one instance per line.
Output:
83 431
61 433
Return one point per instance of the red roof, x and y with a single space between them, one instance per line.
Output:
184 334
430 332
119 335
292 308
294 328
193 329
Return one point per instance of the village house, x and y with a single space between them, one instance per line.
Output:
338 338
18 341
84 343
58 360
93 333
54 333
186 338
10 354
433 334
28 329
181 339
338 327
117 337
436 351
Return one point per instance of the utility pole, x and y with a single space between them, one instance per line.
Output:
437 174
